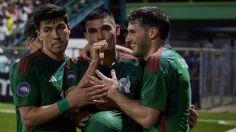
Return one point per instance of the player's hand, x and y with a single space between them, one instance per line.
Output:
97 50
107 104
110 83
83 96
85 52
193 116
82 118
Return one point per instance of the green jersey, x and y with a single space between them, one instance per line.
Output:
166 87
128 74
32 86
12 73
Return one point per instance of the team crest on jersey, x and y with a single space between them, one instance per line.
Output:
70 76
23 89
124 85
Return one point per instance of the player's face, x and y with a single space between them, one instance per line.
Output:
55 36
102 29
138 39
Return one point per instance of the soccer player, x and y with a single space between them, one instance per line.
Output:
40 105
33 44
166 93
101 30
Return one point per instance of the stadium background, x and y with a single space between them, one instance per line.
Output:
203 31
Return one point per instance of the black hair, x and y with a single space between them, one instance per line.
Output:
49 12
30 31
98 13
152 17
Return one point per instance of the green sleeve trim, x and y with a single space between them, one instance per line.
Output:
63 105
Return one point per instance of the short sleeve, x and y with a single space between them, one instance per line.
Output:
26 88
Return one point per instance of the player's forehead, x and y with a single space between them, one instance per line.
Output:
52 23
134 26
98 23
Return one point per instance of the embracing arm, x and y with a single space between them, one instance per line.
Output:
145 116
33 116
124 49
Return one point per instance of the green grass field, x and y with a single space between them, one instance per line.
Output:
207 122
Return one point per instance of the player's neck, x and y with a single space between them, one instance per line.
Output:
109 58
154 46
57 57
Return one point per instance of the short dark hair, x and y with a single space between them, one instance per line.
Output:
98 13
30 31
49 12
151 16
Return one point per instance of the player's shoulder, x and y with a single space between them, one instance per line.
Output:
159 60
14 65
13 68
28 61
127 58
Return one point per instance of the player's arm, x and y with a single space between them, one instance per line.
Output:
96 49
27 97
33 115
145 116
124 49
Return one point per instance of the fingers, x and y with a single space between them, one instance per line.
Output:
85 52
99 93
193 107
113 74
95 93
101 45
193 113
193 116
95 81
100 74
86 57
94 88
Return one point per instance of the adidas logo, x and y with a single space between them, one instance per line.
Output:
52 79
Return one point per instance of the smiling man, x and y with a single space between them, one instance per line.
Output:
166 92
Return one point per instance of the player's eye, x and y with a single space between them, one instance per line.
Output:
61 27
106 28
46 30
92 31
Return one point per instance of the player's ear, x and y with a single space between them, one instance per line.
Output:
27 44
117 30
153 32
39 35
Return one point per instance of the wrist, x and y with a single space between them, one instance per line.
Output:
113 93
63 105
